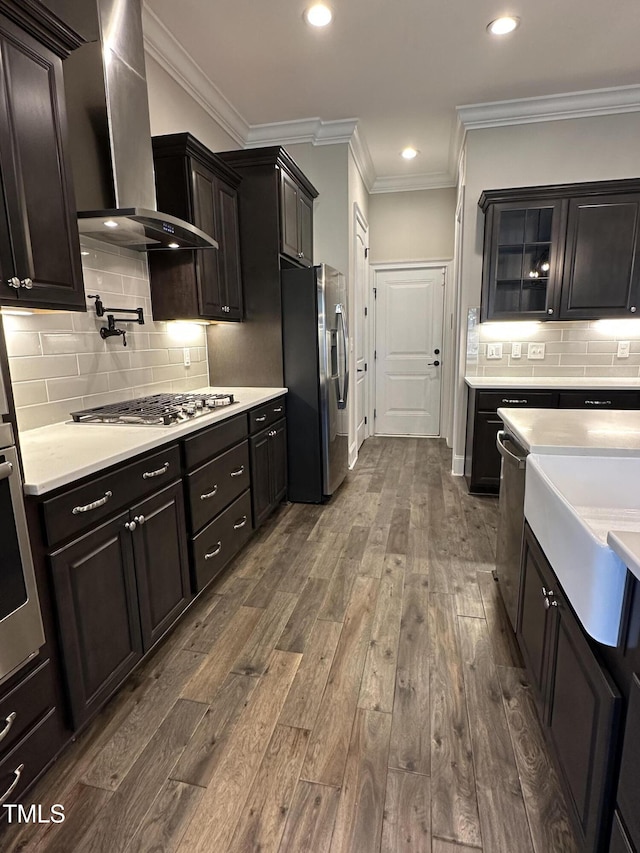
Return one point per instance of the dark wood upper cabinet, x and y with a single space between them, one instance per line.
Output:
296 220
194 184
569 251
39 244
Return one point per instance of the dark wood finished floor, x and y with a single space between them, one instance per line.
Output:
350 684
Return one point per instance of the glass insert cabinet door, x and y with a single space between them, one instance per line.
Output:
520 267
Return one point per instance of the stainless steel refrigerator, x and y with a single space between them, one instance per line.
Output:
316 372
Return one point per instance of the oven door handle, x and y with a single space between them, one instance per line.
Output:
504 451
6 470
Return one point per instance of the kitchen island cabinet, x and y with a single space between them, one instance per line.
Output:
39 243
578 704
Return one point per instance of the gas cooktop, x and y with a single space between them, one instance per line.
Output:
155 410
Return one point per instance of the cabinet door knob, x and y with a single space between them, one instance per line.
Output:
14 282
272 432
27 283
211 554
549 310
633 309
130 525
139 520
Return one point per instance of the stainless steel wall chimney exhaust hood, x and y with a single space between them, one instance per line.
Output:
110 137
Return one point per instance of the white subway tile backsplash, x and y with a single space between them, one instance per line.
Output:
59 363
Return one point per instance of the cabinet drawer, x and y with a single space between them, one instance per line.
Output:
210 442
212 487
221 540
266 415
29 758
101 498
599 400
25 704
489 401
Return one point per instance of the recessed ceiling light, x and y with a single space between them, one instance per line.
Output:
318 15
111 223
409 153
502 26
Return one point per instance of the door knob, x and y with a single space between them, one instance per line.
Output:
433 363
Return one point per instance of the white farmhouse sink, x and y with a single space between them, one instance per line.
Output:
571 503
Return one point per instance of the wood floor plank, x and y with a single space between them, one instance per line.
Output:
358 823
207 680
356 543
200 759
379 676
544 801
166 821
406 827
454 807
118 821
82 805
398 541
119 754
311 819
327 752
418 550
303 701
279 563
440 845
216 621
504 646
410 742
298 629
339 591
296 576
503 816
372 562
216 817
254 658
330 551
264 815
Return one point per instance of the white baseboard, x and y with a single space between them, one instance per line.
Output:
353 455
458 466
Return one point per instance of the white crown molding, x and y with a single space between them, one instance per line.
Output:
312 130
362 158
163 46
409 183
594 102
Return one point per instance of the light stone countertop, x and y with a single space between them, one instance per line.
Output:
58 454
626 544
554 382
574 431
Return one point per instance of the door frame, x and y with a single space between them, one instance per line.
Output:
392 266
359 220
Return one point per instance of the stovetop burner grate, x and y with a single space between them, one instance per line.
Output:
156 409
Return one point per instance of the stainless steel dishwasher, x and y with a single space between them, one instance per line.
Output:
510 521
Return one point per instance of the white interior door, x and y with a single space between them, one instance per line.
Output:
408 350
360 330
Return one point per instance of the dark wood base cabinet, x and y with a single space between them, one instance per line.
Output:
268 470
578 703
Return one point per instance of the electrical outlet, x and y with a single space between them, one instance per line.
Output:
494 350
624 348
187 357
516 350
535 351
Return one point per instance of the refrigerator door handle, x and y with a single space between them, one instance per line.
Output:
344 390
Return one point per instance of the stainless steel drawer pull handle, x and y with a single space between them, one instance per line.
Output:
17 773
93 505
210 494
6 470
598 403
240 523
261 419
9 721
149 474
515 401
238 471
215 552
277 410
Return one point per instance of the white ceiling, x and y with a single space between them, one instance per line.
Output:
402 67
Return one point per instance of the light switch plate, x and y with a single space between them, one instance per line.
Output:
494 350
535 351
516 350
624 347
187 357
